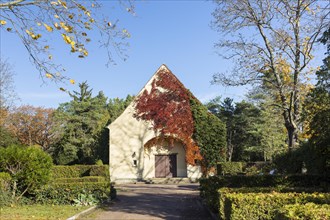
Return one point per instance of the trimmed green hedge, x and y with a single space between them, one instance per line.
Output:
76 171
248 168
81 179
308 211
254 206
65 193
209 186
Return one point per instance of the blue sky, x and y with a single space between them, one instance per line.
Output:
175 33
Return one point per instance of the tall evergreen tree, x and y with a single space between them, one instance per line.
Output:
82 121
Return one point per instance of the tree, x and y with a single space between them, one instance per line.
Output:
29 168
317 115
7 89
35 22
116 106
253 131
33 126
81 121
279 37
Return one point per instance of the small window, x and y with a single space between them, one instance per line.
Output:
134 163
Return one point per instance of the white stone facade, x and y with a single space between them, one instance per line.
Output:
130 160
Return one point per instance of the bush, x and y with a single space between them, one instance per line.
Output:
5 198
67 193
5 181
248 168
230 168
264 205
76 171
29 168
308 211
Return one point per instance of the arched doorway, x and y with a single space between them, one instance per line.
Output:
165 158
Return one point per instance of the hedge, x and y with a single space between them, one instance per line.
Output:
248 168
254 206
76 171
65 193
81 179
308 211
209 186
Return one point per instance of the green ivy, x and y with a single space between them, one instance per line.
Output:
209 133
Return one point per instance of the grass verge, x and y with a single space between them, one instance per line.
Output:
40 212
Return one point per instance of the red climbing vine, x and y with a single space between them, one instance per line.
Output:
167 106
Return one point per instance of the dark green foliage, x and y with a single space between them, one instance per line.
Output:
76 171
308 211
310 156
66 193
29 168
116 106
82 122
253 131
254 206
209 133
317 113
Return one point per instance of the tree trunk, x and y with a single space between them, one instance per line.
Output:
292 141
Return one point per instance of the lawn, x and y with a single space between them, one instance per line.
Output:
40 212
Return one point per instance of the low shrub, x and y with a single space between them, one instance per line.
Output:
5 198
67 193
256 206
230 168
5 181
76 171
29 168
308 211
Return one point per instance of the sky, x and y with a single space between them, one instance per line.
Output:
175 33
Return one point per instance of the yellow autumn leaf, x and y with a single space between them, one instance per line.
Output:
48 75
3 22
46 47
85 52
67 28
48 28
63 3
57 26
39 24
56 16
53 3
67 39
72 81
88 13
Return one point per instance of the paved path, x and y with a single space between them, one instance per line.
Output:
149 201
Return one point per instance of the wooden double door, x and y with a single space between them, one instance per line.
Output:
165 166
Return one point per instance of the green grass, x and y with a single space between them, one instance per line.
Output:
40 212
